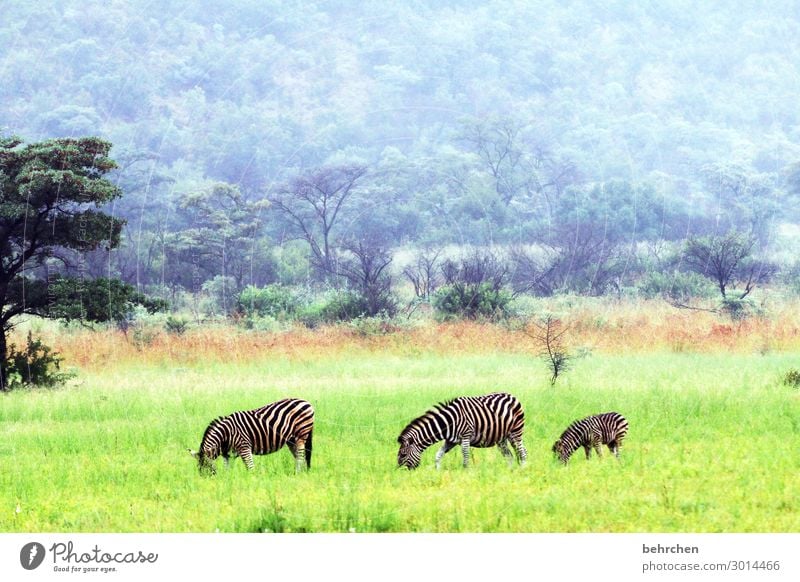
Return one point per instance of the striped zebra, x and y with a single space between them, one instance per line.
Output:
608 428
478 421
261 431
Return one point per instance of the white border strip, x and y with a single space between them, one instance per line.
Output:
407 557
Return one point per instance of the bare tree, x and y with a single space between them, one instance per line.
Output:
313 203
497 143
532 272
476 268
727 261
578 258
423 273
365 267
548 333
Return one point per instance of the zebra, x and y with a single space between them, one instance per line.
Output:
608 428
478 421
261 431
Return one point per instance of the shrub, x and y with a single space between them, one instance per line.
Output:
143 337
36 365
276 301
373 326
792 378
336 307
676 286
344 306
176 325
739 309
471 301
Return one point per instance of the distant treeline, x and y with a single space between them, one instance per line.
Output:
581 147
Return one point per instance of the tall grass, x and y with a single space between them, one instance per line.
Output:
601 325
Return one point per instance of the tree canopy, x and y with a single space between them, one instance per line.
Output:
50 193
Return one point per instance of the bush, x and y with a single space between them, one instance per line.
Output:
176 325
373 326
792 378
344 306
471 301
739 309
334 308
143 337
676 286
36 365
275 301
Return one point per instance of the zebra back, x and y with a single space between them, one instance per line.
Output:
489 418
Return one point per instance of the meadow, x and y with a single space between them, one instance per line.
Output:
712 446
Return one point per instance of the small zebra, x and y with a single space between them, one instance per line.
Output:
478 421
590 433
261 431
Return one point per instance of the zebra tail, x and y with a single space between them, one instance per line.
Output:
308 449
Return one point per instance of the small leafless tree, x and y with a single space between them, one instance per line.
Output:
476 268
549 335
423 273
577 258
532 272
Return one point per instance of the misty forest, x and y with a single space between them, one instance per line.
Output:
268 153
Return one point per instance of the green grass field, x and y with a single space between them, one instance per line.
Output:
712 447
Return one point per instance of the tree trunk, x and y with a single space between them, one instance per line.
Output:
3 360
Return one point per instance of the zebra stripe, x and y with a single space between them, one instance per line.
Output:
608 428
261 431
478 421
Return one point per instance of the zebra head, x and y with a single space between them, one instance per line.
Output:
561 451
410 453
205 463
215 441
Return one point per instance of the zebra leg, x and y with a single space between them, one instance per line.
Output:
587 448
247 456
293 449
441 452
506 452
522 454
465 451
300 456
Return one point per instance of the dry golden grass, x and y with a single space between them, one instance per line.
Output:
639 327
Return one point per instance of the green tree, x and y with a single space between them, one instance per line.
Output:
50 195
221 235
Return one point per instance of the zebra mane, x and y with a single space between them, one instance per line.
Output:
578 422
417 421
215 424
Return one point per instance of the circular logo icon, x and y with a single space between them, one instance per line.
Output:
32 555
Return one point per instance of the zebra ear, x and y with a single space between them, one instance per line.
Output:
193 453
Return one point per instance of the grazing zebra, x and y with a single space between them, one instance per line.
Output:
478 421
261 431
590 433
